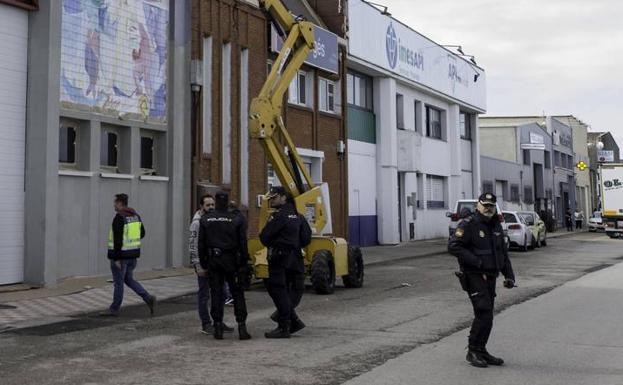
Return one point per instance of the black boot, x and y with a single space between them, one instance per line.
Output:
151 303
474 358
296 325
242 332
491 360
218 330
282 331
275 316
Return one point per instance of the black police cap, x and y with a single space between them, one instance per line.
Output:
275 191
487 199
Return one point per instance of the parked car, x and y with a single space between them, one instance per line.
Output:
537 226
519 233
596 223
466 207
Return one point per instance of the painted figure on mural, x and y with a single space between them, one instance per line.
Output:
114 56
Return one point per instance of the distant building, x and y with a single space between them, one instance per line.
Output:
559 194
583 191
516 164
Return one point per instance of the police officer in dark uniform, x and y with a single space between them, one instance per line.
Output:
478 243
285 234
223 253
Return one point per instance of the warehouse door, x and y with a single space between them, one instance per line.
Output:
13 64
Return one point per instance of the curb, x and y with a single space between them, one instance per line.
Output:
430 254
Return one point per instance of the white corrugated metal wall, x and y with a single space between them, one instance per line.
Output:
13 66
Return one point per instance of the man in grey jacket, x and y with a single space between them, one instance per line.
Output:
203 293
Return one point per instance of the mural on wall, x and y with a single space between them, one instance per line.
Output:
114 57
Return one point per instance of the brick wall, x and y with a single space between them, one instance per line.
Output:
244 26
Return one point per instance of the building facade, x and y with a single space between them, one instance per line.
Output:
233 48
106 85
563 189
516 164
412 129
583 191
564 173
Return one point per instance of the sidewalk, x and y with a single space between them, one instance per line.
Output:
77 296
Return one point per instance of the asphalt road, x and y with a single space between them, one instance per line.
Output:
570 336
403 305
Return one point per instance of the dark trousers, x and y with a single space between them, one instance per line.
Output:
578 224
203 296
217 277
482 295
569 225
125 275
285 287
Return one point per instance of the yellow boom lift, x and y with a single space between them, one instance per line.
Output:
326 257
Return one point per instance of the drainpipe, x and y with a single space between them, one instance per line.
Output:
522 189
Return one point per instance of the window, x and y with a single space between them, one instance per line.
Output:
556 159
400 112
465 125
569 161
487 187
108 150
206 97
436 192
147 154
226 111
547 159
433 123
527 194
300 89
526 157
272 179
359 90
350 88
514 193
509 218
329 95
548 194
67 144
416 115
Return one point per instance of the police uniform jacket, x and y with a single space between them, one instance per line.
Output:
223 240
478 244
285 234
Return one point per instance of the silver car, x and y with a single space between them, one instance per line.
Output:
519 233
596 223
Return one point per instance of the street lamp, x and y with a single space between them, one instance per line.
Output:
600 146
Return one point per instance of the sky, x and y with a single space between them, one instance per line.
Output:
552 57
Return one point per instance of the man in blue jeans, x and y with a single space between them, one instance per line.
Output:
124 248
203 293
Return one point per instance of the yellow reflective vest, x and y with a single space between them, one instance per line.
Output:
131 234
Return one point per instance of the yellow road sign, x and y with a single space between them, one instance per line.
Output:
581 165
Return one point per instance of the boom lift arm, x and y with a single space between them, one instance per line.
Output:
326 257
266 121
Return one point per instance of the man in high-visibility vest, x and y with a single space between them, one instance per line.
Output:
124 248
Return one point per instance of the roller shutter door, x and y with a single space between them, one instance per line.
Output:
13 64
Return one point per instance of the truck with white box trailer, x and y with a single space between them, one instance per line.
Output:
611 186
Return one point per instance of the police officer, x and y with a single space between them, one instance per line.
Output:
478 243
285 234
223 253
124 248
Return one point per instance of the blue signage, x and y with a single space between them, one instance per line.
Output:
391 46
325 53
